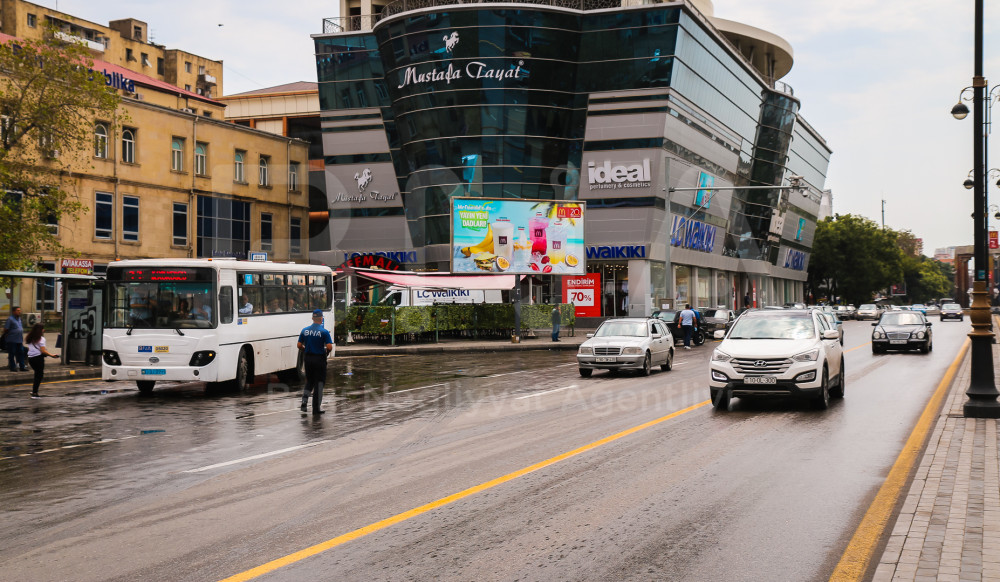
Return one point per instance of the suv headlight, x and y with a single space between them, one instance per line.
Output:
718 356
631 351
587 351
810 356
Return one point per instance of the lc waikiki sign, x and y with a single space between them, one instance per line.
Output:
692 234
608 177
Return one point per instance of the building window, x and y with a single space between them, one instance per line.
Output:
101 141
137 32
223 227
238 169
104 215
180 224
128 146
177 155
293 176
266 232
130 218
159 65
265 179
187 87
45 289
295 236
187 67
32 20
201 69
145 60
201 159
129 56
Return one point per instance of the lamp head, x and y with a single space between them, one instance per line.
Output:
968 183
959 111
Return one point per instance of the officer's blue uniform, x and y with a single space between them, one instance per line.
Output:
314 338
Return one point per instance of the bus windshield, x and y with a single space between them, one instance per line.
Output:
161 298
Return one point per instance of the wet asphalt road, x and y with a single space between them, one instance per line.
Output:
189 485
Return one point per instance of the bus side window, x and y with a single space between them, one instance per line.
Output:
226 305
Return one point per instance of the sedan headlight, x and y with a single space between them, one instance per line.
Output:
631 351
918 334
877 335
586 351
718 356
809 356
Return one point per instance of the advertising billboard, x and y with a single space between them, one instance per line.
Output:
517 236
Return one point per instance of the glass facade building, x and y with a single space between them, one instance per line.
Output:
540 102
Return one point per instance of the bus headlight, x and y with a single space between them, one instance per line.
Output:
111 358
202 358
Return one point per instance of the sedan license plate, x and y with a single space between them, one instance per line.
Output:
897 342
605 360
154 372
760 380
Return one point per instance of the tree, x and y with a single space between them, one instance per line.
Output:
49 98
853 258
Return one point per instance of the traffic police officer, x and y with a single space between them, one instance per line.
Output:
316 343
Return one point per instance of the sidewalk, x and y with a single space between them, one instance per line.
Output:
55 371
949 525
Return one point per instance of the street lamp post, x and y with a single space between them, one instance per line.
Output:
982 390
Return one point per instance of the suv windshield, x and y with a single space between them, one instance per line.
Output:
622 328
161 298
773 326
901 318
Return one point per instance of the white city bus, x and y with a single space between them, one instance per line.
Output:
209 320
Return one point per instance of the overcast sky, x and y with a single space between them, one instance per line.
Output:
877 78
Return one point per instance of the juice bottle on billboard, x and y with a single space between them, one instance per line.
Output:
537 226
557 241
503 238
522 248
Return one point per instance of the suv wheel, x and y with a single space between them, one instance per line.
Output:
823 398
838 392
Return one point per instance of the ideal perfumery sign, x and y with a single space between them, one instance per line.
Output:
613 176
472 70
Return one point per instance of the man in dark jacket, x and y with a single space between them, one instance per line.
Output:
556 318
14 338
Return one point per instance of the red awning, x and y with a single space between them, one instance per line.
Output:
478 282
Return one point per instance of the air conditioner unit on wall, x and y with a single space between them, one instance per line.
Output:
32 318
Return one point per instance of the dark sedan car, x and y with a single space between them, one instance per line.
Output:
902 330
951 311
716 319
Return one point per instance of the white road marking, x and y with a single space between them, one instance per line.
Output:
412 389
100 442
254 457
546 392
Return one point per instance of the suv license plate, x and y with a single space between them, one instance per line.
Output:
605 360
760 380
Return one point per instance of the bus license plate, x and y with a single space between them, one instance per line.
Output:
154 372
606 360
760 380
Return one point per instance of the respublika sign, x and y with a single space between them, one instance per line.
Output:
610 177
687 233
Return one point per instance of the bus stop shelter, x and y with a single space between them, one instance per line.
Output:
82 325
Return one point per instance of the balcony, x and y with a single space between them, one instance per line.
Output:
206 79
91 44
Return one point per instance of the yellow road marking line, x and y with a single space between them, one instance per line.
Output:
56 382
390 521
860 551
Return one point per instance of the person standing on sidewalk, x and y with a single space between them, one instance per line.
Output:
316 343
556 318
36 355
14 337
687 318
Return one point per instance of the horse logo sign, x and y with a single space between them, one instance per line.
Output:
364 179
450 41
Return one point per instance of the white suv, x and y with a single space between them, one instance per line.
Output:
793 352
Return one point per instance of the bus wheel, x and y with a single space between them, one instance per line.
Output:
296 374
145 386
242 371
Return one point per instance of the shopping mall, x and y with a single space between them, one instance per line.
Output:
670 124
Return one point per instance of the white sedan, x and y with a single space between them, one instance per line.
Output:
629 344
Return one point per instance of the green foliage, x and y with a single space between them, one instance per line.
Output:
490 317
49 99
928 279
853 258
